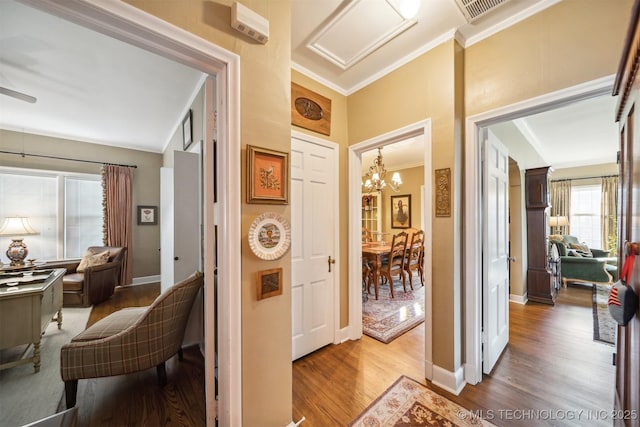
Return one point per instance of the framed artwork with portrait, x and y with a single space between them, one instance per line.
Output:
401 211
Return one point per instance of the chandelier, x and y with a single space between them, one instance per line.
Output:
375 177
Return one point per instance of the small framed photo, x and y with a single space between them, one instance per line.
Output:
269 283
401 211
267 176
147 215
187 135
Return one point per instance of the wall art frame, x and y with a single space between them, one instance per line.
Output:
267 176
443 192
187 131
401 211
147 215
269 283
310 110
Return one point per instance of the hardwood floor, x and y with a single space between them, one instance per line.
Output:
551 365
137 399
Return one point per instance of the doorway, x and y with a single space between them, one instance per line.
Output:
135 27
417 130
473 268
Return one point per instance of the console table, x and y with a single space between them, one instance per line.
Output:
28 302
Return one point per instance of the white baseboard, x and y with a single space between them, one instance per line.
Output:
145 279
518 299
292 424
428 370
453 382
341 336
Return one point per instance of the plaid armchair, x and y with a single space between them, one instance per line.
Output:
130 340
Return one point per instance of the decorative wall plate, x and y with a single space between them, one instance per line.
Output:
269 236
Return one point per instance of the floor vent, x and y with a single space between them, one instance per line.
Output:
474 9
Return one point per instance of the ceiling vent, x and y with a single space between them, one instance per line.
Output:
250 23
474 9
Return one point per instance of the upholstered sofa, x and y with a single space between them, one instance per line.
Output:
579 263
95 283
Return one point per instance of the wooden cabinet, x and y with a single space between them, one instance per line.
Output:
371 214
541 286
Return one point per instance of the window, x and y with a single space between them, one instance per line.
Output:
65 209
585 214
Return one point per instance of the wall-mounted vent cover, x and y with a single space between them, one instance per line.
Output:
474 9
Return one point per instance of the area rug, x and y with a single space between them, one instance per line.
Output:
409 403
604 327
385 319
26 396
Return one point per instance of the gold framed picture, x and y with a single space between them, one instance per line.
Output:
267 176
269 283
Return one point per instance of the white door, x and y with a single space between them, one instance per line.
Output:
314 227
179 218
495 287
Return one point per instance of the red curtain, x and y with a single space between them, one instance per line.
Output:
117 185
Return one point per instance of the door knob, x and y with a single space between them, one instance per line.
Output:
175 258
331 261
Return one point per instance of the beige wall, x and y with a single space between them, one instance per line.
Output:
265 78
146 180
412 179
423 89
585 171
572 42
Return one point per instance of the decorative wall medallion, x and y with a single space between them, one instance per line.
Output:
310 110
443 192
269 236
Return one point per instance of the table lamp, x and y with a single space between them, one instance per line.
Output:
15 227
558 221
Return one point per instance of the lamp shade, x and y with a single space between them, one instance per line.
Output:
558 221
17 226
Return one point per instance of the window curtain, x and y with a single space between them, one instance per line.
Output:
561 203
609 213
117 204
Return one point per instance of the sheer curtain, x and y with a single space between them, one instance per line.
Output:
609 211
117 203
561 202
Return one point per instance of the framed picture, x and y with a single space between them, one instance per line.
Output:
401 211
269 283
310 110
267 176
147 215
187 136
443 192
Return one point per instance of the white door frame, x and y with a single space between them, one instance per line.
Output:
134 26
473 301
418 129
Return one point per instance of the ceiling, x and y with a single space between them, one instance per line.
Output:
89 95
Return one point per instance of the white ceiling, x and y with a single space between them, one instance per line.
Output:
93 88
88 86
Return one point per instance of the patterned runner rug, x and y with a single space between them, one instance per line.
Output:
409 403
385 319
604 327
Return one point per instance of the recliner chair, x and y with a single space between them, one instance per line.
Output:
96 284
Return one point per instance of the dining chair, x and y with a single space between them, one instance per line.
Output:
414 260
367 236
395 262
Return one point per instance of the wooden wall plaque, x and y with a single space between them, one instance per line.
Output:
310 110
443 192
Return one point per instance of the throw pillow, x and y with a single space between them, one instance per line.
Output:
583 249
555 237
90 259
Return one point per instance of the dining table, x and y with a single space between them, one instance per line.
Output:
375 251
